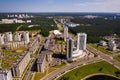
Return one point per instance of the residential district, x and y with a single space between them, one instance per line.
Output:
22 54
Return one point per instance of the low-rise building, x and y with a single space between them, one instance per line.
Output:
102 43
111 45
15 44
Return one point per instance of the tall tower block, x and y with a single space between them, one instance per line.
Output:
69 48
81 41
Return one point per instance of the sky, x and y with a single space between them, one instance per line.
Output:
59 5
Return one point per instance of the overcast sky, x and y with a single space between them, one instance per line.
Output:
59 5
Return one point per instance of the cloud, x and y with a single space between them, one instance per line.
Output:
99 6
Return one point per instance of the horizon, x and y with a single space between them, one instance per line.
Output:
67 12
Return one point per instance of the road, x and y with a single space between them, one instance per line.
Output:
101 55
62 70
29 72
105 57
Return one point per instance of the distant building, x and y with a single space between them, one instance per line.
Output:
26 37
69 48
9 36
7 21
111 45
2 39
65 33
71 24
102 43
17 36
81 41
28 21
5 75
57 32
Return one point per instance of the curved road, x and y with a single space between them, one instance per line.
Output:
62 70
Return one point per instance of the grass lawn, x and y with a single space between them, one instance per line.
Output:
99 67
102 49
8 62
38 75
51 69
117 58
59 66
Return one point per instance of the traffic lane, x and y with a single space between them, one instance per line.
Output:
65 69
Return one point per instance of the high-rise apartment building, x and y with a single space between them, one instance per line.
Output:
26 37
9 36
5 75
17 36
69 48
2 39
65 33
81 41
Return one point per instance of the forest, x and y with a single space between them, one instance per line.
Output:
96 28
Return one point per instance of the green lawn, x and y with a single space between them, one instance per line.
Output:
102 49
38 75
59 66
8 62
99 67
117 58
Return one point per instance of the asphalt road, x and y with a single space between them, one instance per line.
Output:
101 55
62 70
105 57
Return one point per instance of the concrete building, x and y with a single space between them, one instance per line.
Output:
43 60
69 48
41 63
2 39
9 36
5 75
102 43
15 44
81 47
7 21
34 46
17 36
81 41
21 64
111 45
28 21
26 37
48 55
65 33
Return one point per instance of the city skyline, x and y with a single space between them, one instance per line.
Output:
60 6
